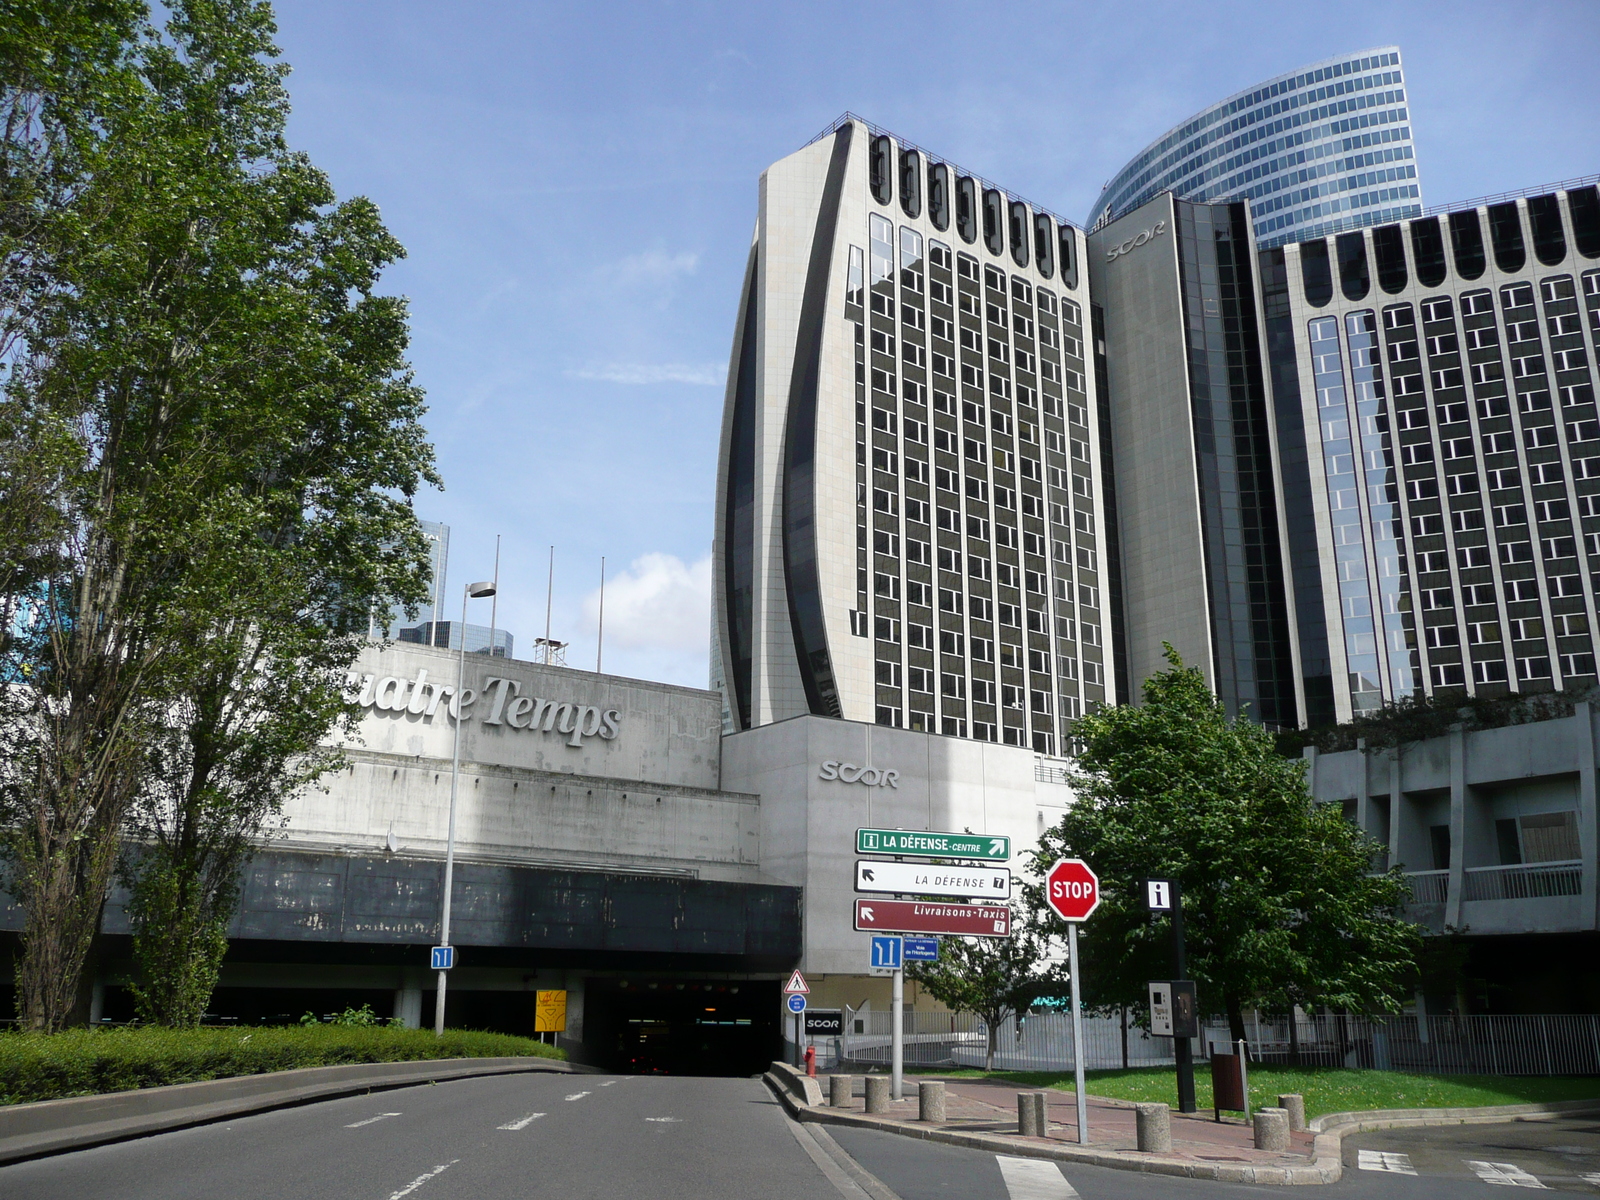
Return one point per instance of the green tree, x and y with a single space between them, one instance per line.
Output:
1279 898
992 978
245 445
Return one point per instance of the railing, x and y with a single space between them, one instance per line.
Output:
1523 882
1543 189
1445 1045
1429 887
1044 772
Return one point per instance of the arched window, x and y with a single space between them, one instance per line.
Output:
1389 251
1544 221
1584 204
994 233
1466 241
1427 251
1354 278
1069 257
911 183
1019 233
1505 232
879 175
1316 272
1044 245
967 208
939 196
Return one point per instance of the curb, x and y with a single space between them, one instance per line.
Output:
47 1127
1326 1165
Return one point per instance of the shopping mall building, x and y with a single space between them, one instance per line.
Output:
977 464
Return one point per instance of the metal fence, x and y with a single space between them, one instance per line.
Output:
1447 1045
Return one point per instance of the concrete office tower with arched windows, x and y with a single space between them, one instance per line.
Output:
1322 148
911 520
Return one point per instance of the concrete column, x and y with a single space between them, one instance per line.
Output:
1458 824
1588 816
408 999
1272 1129
877 1093
1394 807
1155 1127
839 1089
930 1101
1295 1105
1031 1114
1364 796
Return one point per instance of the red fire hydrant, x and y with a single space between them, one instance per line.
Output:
811 1061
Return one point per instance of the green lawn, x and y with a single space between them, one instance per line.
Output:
84 1062
1326 1089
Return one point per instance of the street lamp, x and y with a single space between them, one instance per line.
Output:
475 591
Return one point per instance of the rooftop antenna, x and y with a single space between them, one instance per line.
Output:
494 604
600 637
549 591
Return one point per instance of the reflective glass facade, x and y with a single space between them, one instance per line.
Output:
1321 149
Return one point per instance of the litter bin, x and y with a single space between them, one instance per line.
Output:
1230 1082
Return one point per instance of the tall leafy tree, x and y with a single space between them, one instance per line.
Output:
245 443
1280 901
992 978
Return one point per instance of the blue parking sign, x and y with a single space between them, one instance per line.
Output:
444 957
796 1003
886 953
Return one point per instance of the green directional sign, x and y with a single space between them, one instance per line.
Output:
920 843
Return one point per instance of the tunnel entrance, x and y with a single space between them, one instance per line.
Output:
682 1026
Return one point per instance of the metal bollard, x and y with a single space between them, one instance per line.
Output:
839 1089
930 1101
1031 1114
877 1093
1295 1104
1155 1128
1272 1129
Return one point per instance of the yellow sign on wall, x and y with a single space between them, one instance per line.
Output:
550 1012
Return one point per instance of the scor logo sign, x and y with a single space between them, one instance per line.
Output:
1136 241
850 773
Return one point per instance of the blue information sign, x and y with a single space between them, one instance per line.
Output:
796 1003
921 949
444 957
886 953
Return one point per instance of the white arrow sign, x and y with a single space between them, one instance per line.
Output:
918 879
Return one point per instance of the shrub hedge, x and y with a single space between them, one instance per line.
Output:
85 1062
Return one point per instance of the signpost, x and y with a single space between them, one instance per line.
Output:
1073 891
549 1013
921 949
887 953
794 998
442 958
1165 896
826 1022
920 843
920 879
930 916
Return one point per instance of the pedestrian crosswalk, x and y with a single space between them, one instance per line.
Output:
1384 1160
1500 1174
1034 1179
1505 1174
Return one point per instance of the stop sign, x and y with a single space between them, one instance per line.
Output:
1072 889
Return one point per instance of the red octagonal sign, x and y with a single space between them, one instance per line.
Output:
1072 889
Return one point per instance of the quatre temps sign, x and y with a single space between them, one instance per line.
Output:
502 704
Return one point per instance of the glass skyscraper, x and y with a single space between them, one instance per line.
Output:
1321 149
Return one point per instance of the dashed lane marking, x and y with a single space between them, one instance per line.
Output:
608 1083
371 1120
422 1179
1504 1174
664 1120
1385 1160
1591 1178
521 1122
577 1095
1034 1179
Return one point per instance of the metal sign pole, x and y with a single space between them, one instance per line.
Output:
1183 1053
898 1044
1077 1037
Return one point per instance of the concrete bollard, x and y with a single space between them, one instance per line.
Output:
1155 1128
1272 1129
877 1093
1031 1114
839 1089
930 1101
1295 1105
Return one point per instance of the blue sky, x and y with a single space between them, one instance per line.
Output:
576 187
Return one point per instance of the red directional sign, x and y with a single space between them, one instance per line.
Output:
1072 889
927 916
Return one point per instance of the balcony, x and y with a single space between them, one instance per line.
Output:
1429 887
1525 881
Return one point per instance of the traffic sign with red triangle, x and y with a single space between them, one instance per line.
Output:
796 985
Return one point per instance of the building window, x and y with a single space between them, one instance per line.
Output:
967 208
911 183
939 201
879 174
993 222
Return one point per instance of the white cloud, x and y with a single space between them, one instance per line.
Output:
658 603
653 266
705 374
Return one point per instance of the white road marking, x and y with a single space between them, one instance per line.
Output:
577 1095
1385 1160
1594 1178
371 1120
1034 1179
608 1083
422 1179
1505 1174
664 1120
521 1122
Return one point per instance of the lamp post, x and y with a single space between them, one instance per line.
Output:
475 591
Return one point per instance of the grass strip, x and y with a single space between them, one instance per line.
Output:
1326 1089
87 1062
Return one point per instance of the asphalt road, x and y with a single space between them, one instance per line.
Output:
582 1136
